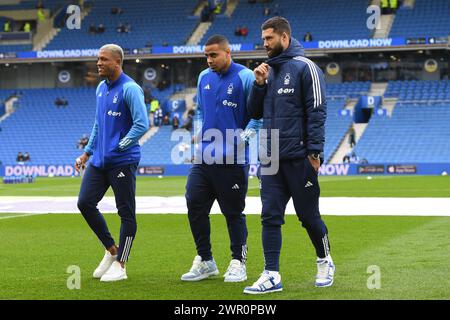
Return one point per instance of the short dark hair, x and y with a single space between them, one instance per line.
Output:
217 39
279 25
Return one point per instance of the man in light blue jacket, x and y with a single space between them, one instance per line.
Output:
120 121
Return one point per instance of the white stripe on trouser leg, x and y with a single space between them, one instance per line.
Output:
244 253
326 247
126 249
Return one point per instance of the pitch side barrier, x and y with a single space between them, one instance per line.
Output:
67 170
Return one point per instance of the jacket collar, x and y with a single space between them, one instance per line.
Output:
295 49
113 83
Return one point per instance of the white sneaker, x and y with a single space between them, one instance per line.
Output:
104 265
236 272
269 281
201 270
325 272
115 273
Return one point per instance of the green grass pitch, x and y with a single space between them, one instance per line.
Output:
331 186
412 253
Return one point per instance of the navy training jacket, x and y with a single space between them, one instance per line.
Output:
293 101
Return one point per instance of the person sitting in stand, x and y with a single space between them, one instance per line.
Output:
166 119
175 122
244 31
237 31
92 28
101 28
308 37
20 157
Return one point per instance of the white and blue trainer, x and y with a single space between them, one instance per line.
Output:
269 281
201 270
325 272
236 271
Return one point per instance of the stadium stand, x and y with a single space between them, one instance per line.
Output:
415 133
426 18
32 4
5 94
145 20
419 91
158 149
419 125
50 133
15 48
348 89
336 126
342 19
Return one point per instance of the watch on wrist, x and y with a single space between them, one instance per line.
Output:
315 156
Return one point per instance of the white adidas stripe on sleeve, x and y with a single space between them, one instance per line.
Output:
317 90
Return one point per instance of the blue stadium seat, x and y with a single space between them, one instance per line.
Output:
427 18
149 20
342 19
49 133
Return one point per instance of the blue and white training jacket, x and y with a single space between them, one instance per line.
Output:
222 105
120 121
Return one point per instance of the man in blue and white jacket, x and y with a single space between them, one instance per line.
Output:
289 94
120 121
220 170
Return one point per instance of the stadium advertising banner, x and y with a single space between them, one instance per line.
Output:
235 47
372 169
150 170
46 54
38 170
372 43
336 170
89 53
67 170
401 169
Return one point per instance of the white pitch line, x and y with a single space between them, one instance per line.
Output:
22 215
339 206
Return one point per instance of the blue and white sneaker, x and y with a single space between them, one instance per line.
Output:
269 281
325 272
201 270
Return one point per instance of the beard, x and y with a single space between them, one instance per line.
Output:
275 51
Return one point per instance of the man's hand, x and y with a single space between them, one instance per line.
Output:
261 73
80 162
247 134
315 163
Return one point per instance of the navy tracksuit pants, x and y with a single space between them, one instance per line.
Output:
95 183
297 179
228 185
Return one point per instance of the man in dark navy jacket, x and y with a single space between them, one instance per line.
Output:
289 94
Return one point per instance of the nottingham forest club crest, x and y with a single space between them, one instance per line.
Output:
230 89
287 79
